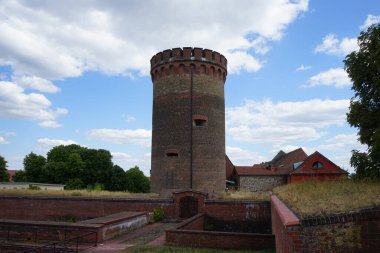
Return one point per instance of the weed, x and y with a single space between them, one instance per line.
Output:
158 214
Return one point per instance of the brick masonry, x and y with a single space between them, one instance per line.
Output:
354 232
56 208
260 183
190 233
188 84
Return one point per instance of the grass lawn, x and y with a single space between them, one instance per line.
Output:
314 198
84 193
146 249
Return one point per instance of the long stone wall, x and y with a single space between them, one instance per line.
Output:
260 183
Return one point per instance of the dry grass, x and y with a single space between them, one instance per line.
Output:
76 193
314 198
259 196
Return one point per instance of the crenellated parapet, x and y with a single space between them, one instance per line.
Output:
181 61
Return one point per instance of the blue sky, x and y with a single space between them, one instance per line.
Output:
78 72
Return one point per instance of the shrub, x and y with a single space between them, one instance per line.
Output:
158 214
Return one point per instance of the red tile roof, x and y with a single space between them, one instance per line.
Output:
281 164
259 169
11 173
287 160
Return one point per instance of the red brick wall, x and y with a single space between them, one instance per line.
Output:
190 234
237 210
193 223
355 232
316 176
56 208
219 240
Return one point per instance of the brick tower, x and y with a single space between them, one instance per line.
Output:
188 133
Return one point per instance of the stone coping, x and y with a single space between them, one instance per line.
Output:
113 218
78 225
236 201
287 216
89 198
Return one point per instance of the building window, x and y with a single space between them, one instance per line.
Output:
171 153
200 120
317 165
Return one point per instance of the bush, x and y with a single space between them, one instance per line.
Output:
158 214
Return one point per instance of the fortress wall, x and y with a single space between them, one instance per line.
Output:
352 232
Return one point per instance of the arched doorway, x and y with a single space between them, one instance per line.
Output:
188 207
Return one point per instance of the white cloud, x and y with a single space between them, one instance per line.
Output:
15 162
241 60
342 142
3 140
333 46
36 83
283 123
288 148
45 144
240 157
337 77
49 124
371 19
16 104
127 161
126 136
47 40
303 68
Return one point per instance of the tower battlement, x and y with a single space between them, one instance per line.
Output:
178 61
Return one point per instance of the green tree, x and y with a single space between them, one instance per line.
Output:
118 180
78 166
4 176
136 180
34 167
363 67
19 176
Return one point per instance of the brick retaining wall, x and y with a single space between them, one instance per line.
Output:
190 234
354 232
56 208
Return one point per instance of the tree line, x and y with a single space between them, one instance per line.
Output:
80 167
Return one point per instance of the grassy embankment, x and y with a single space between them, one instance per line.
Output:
314 198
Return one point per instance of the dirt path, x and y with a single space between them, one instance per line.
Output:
152 234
